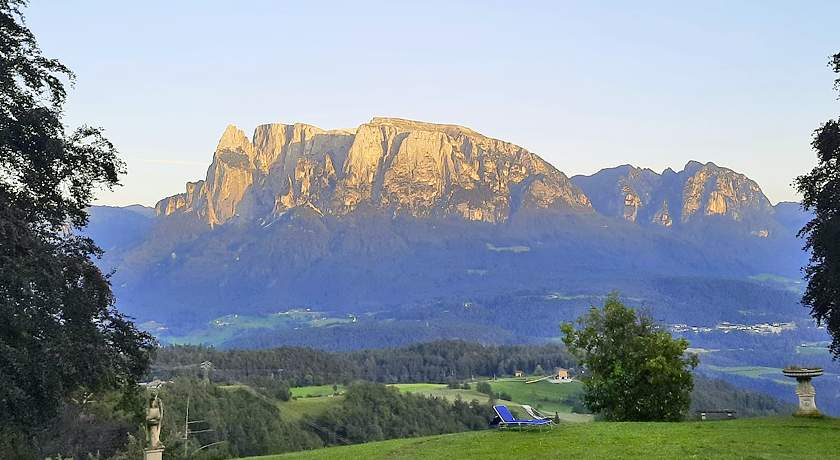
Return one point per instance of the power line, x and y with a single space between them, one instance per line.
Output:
302 418
188 431
207 366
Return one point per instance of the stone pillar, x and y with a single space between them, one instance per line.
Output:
153 453
806 392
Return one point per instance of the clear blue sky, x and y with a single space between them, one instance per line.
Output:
584 84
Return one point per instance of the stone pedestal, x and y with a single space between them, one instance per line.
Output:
804 389
153 453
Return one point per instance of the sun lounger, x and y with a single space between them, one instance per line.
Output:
535 414
505 419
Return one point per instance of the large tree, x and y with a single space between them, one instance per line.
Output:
820 191
59 329
636 371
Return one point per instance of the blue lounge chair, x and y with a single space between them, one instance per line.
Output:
505 419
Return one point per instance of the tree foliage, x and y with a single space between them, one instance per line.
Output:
436 361
375 412
636 371
243 423
820 191
60 330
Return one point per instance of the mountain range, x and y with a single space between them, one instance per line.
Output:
398 216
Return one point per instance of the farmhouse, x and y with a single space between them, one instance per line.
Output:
563 375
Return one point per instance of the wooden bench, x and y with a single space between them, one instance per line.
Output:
730 414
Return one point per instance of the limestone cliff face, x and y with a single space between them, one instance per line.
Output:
395 166
714 190
696 192
229 176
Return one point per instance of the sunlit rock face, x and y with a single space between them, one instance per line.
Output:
403 168
395 166
714 190
697 192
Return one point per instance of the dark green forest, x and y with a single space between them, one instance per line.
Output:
437 361
373 412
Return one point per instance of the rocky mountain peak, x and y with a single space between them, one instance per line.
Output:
697 192
417 169
712 190
232 138
391 165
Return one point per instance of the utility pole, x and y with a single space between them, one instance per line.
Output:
187 425
187 430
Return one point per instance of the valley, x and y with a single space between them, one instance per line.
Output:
401 232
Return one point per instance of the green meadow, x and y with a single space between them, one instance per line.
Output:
545 396
224 328
316 391
749 371
293 410
451 395
412 387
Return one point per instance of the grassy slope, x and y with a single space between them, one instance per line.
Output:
543 395
521 393
292 411
764 438
221 329
412 387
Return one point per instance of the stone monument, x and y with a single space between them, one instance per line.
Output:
154 420
805 391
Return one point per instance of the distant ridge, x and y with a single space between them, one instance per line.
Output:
410 168
677 198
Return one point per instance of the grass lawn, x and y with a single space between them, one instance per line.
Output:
777 438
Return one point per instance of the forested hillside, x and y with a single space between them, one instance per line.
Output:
425 362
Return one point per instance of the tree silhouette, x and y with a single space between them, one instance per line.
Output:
59 329
820 191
